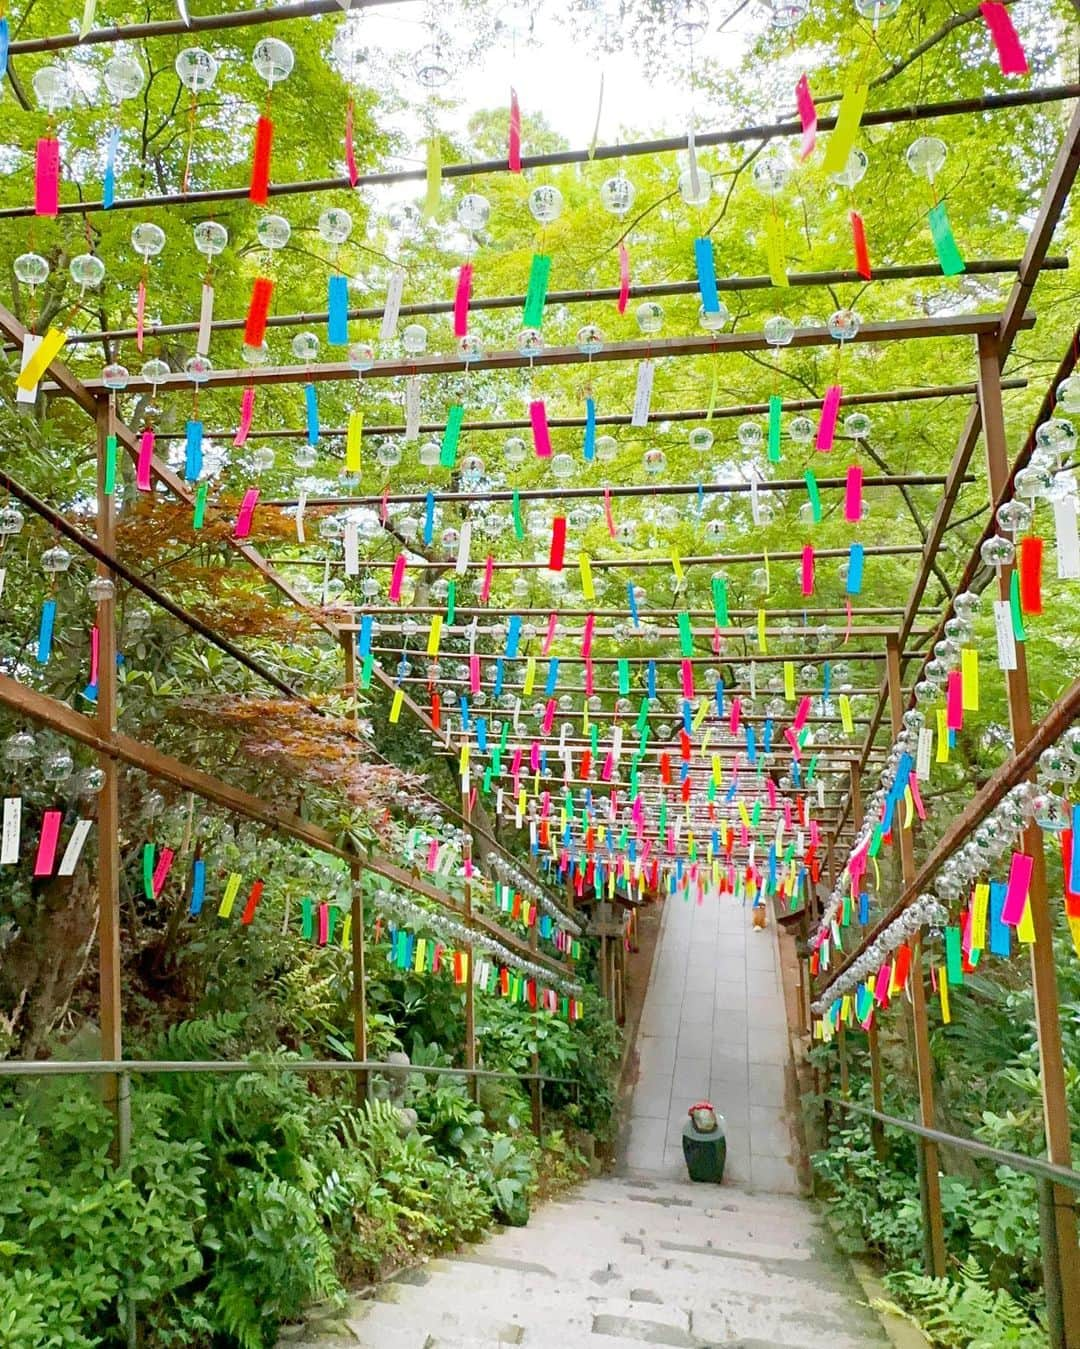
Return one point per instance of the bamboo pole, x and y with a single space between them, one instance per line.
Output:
359 980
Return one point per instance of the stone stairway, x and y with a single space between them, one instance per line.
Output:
622 1262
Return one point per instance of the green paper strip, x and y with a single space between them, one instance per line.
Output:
845 915
451 601
711 792
594 740
1014 605
451 436
952 264
110 465
331 924
519 528
814 495
365 672
148 870
755 815
433 189
536 294
875 842
775 405
719 599
954 965
200 505
504 737
307 920
843 134
624 676
663 813
813 767
686 636
485 786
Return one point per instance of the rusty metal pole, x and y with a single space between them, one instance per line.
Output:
929 1178
359 982
1043 974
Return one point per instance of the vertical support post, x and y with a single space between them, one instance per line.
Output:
470 987
359 983
536 1088
348 645
1043 974
841 1043
877 1129
929 1179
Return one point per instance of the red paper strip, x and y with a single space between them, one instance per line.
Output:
247 412
436 711
1031 555
1010 52
553 622
461 300
324 924
853 495
858 242
47 177
252 902
954 702
830 407
161 871
607 512
541 434
1072 897
558 543
259 192
808 116
808 569
140 313
624 279
903 963
384 505
50 835
513 149
489 574
258 310
350 149
142 463
396 578
247 512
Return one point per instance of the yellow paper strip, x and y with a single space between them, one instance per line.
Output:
421 954
909 807
762 644
979 911
774 250
942 755
434 177
346 931
845 715
789 680
36 366
434 635
395 706
1074 928
228 899
845 1008
463 761
700 714
353 442
744 814
969 679
1025 929
676 566
587 590
842 138
943 994
530 675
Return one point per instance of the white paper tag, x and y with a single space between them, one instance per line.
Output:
800 844
1006 642
412 408
1068 539
3 578
616 745
73 851
301 507
352 548
461 566
498 800
691 150
394 289
206 319
643 396
753 679
9 834
820 792
755 500
922 754
31 342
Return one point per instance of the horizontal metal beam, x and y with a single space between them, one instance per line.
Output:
267 1066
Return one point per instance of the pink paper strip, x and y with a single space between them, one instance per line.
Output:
513 148
247 513
142 463
534 756
324 924
827 425
541 434
787 815
607 512
608 768
687 679
744 836
770 787
847 627
50 834
350 149
432 854
587 635
808 569
1011 56
461 300
802 712
47 177
624 279
485 585
808 116
588 677
474 674
1017 891
671 840
161 871
549 636
545 805
397 576
815 834
853 495
881 988
790 737
95 651
247 411
515 762
736 709
140 314
920 809
954 705
384 505
549 716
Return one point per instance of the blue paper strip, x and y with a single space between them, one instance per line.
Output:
500 670
706 275
864 908
481 734
108 186
429 518
826 682
590 430
45 632
1000 941
513 636
768 735
198 886
687 720
365 635
311 407
632 603
855 569
193 457
337 304
464 713
1074 870
552 676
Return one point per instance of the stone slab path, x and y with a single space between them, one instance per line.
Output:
713 1027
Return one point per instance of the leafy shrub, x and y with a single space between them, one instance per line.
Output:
965 1312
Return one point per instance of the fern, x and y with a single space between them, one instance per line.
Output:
201 1038
965 1312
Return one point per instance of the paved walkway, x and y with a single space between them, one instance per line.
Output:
713 1027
